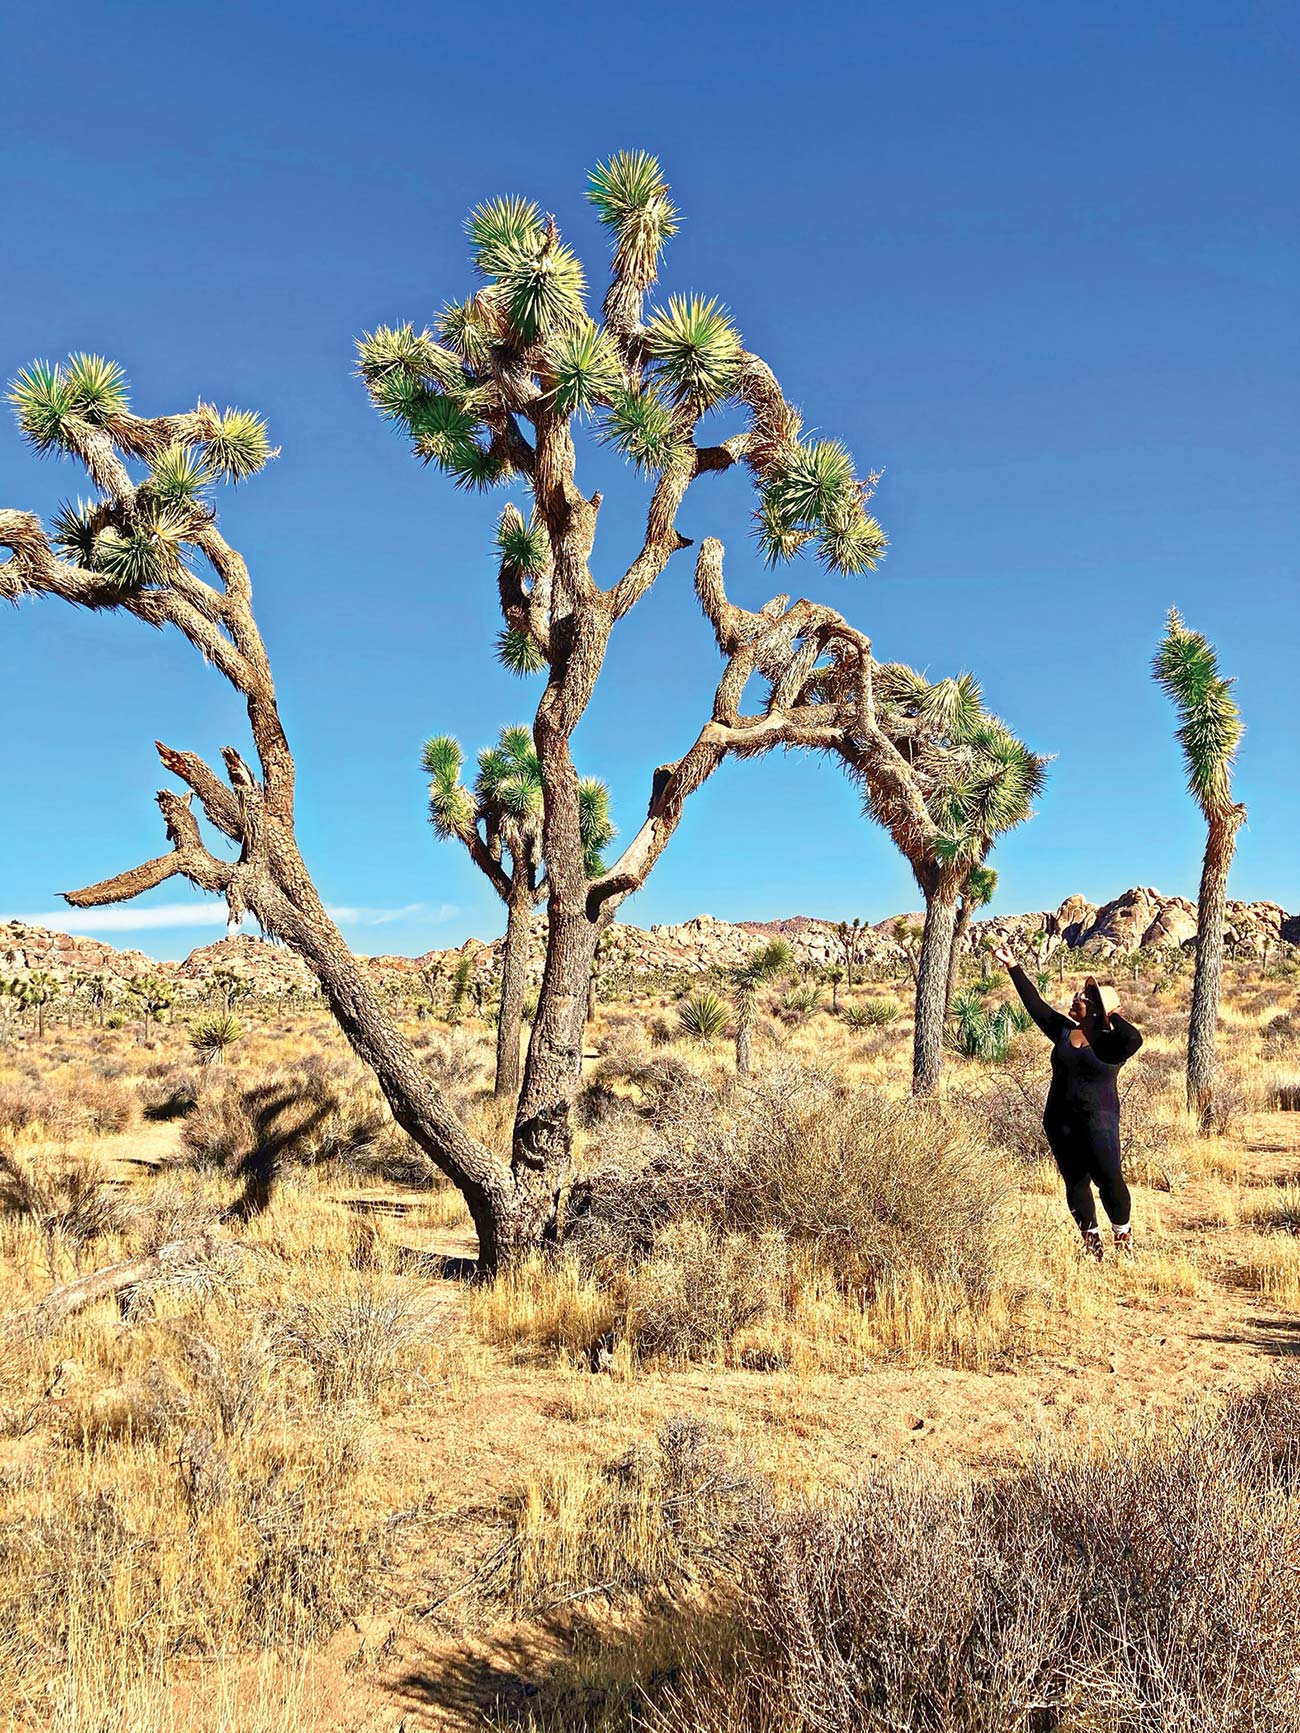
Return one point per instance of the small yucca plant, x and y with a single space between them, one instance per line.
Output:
212 1037
873 1014
702 1015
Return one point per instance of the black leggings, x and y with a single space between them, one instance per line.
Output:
1087 1153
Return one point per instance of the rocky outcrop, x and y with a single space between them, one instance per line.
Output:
1137 919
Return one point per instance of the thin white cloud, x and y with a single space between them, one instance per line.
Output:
128 919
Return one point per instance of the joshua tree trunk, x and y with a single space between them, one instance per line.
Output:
514 977
1219 849
932 975
744 1035
960 926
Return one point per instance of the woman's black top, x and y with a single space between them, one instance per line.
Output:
1083 1078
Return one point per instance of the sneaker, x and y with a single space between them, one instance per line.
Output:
1092 1243
1123 1242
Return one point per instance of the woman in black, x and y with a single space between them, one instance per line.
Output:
1082 1114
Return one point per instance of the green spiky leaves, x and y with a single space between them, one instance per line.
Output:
697 351
76 529
587 370
640 425
522 546
141 555
179 476
239 447
813 494
503 231
630 195
1210 727
452 810
51 399
510 776
518 652
595 826
541 291
401 353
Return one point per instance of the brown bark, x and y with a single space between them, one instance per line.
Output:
514 981
745 1035
1220 846
932 985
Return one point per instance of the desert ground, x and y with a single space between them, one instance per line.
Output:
289 1466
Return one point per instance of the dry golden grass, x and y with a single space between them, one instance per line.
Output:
209 1496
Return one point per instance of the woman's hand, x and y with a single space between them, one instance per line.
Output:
1004 955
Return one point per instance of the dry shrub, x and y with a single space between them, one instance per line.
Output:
699 1287
353 1340
319 1112
877 1187
1010 1105
1151 1585
168 1092
458 1061
651 1523
67 1199
81 1105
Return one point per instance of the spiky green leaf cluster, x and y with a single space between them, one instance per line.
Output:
503 231
89 391
522 546
239 447
696 350
143 555
541 291
763 964
179 476
510 776
1210 727
640 425
391 351
452 808
631 198
586 367
812 493
595 826
518 652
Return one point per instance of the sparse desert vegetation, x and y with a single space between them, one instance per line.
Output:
816 1417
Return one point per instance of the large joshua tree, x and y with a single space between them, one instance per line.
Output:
496 395
499 820
969 780
1210 730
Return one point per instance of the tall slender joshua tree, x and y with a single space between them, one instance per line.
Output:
499 821
495 395
970 781
762 965
1210 730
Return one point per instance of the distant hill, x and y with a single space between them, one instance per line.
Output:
1137 918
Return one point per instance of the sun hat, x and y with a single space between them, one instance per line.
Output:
1107 998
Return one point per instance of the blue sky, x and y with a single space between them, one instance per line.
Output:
1038 264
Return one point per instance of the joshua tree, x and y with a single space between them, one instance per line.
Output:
99 995
232 985
849 935
599 958
36 993
969 780
155 997
761 966
976 893
499 821
907 936
833 976
494 396
1210 730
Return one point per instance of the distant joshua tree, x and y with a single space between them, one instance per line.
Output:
1210 730
762 965
155 998
850 934
232 985
499 820
37 992
967 780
